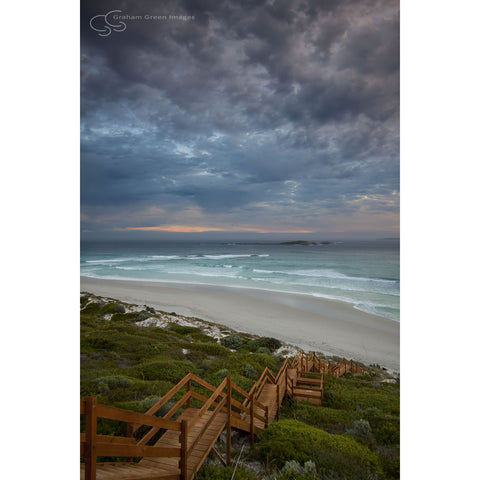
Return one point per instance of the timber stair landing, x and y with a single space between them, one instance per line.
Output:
176 449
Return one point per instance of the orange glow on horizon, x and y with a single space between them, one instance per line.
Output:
186 229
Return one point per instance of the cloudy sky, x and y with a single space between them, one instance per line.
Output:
253 117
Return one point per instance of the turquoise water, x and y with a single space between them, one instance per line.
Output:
362 273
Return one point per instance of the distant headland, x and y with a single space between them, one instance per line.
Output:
295 242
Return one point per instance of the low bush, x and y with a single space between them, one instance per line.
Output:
91 308
390 461
143 316
112 307
350 394
183 330
111 382
329 419
208 472
292 440
269 343
234 342
263 350
249 372
169 370
209 348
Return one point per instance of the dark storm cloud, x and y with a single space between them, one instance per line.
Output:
250 105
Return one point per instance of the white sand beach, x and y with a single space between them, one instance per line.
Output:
314 324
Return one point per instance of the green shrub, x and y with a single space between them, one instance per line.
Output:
353 394
148 403
183 330
263 350
269 343
292 468
124 317
143 316
292 440
91 308
208 472
111 382
390 461
169 370
112 307
136 344
234 341
361 432
329 419
209 348
249 372
360 428
222 373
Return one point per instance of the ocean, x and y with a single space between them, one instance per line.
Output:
365 274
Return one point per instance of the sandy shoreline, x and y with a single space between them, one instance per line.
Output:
311 323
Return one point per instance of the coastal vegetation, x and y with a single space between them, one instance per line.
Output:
133 355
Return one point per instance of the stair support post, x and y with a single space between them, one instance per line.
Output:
229 421
90 438
251 419
130 435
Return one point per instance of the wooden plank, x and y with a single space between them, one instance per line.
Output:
118 450
183 447
306 395
121 415
111 439
311 381
216 452
202 382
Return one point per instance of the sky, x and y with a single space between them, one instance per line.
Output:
240 119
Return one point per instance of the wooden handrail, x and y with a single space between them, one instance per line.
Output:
119 450
114 413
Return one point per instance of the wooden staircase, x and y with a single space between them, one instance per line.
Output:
176 449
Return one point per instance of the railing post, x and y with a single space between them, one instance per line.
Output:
183 449
90 438
251 419
229 421
278 401
130 435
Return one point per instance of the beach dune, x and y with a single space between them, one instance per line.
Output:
314 324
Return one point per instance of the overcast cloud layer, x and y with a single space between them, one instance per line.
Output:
255 116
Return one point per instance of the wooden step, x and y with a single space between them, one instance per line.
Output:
309 381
